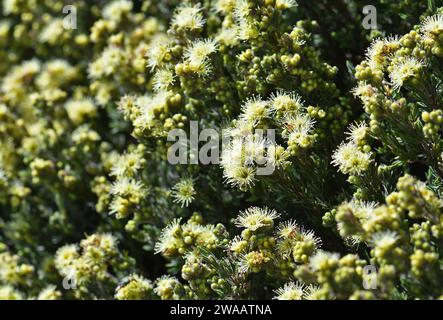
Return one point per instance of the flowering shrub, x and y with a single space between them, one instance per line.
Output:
343 200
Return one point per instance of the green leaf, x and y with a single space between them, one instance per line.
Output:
431 5
350 67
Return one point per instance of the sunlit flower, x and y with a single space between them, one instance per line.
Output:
290 291
200 50
432 26
384 239
168 242
252 262
188 17
284 103
184 192
158 50
256 218
254 109
323 259
163 79
285 4
405 69
350 159
357 132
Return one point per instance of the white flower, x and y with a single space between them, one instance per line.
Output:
184 192
108 63
8 292
117 9
404 69
167 242
290 291
364 91
134 287
163 79
149 107
49 293
357 132
246 29
322 259
242 9
255 218
237 244
188 17
128 187
239 158
380 50
288 229
244 151
285 4
241 129
126 164
197 56
255 150
126 105
277 156
311 292
432 26
228 36
56 73
309 236
252 261
158 49
80 110
64 257
52 32
165 286
225 6
107 242
352 241
362 209
240 176
298 128
299 124
282 102
254 110
350 159
384 240
20 75
200 50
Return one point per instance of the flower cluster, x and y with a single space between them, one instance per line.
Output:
96 260
401 235
214 265
313 188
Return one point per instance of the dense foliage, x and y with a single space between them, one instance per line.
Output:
91 206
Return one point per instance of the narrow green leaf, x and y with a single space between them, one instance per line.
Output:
431 5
